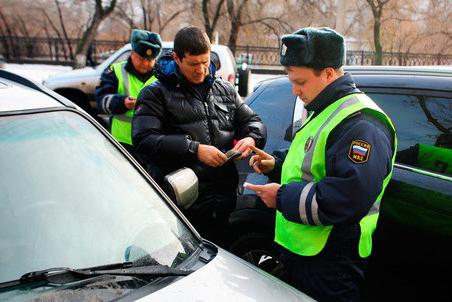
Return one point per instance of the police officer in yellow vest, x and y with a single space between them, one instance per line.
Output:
121 83
328 188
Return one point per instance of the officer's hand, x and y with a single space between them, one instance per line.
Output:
211 156
266 192
262 162
129 102
243 146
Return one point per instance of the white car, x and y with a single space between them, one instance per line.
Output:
79 85
80 220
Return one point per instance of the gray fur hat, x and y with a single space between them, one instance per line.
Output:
145 43
313 47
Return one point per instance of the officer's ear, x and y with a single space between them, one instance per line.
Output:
331 74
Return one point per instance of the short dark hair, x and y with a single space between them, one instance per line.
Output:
192 40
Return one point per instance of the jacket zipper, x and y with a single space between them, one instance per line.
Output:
209 122
206 107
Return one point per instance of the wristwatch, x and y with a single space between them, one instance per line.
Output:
193 147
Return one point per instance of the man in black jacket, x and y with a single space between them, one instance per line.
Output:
188 118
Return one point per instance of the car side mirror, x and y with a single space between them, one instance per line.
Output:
183 187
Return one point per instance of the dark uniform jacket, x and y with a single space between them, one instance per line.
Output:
108 99
172 115
348 191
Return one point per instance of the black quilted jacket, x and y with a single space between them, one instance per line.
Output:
170 113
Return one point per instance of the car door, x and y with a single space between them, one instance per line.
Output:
252 223
275 105
415 224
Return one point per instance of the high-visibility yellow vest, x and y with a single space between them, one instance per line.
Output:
130 85
309 165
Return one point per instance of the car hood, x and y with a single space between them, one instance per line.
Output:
77 73
228 278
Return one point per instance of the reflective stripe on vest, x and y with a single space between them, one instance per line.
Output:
309 238
130 85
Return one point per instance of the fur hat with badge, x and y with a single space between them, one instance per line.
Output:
145 43
313 47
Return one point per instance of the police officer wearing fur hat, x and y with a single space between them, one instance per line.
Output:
329 184
121 83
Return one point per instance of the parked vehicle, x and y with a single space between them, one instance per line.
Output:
413 240
79 85
80 220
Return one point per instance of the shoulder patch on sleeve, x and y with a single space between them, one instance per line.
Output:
359 151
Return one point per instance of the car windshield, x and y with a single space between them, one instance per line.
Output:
70 198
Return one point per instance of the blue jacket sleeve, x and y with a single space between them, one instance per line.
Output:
108 100
349 189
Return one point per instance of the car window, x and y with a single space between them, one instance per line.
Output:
275 107
122 57
165 50
423 126
87 204
232 58
299 116
215 59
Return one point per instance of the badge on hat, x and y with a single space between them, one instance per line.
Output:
149 52
283 49
359 151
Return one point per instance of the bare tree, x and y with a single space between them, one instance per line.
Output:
99 15
63 29
211 19
240 15
166 17
126 13
152 15
7 33
377 7
438 15
235 10
61 34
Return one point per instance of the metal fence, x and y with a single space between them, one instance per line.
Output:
58 51
269 56
51 50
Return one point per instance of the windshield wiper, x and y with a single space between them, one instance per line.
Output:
44 275
139 271
116 269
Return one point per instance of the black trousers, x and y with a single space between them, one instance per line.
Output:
210 215
335 274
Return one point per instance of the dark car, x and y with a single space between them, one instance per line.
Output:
413 240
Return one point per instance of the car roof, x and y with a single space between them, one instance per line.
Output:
404 77
426 70
18 93
407 77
